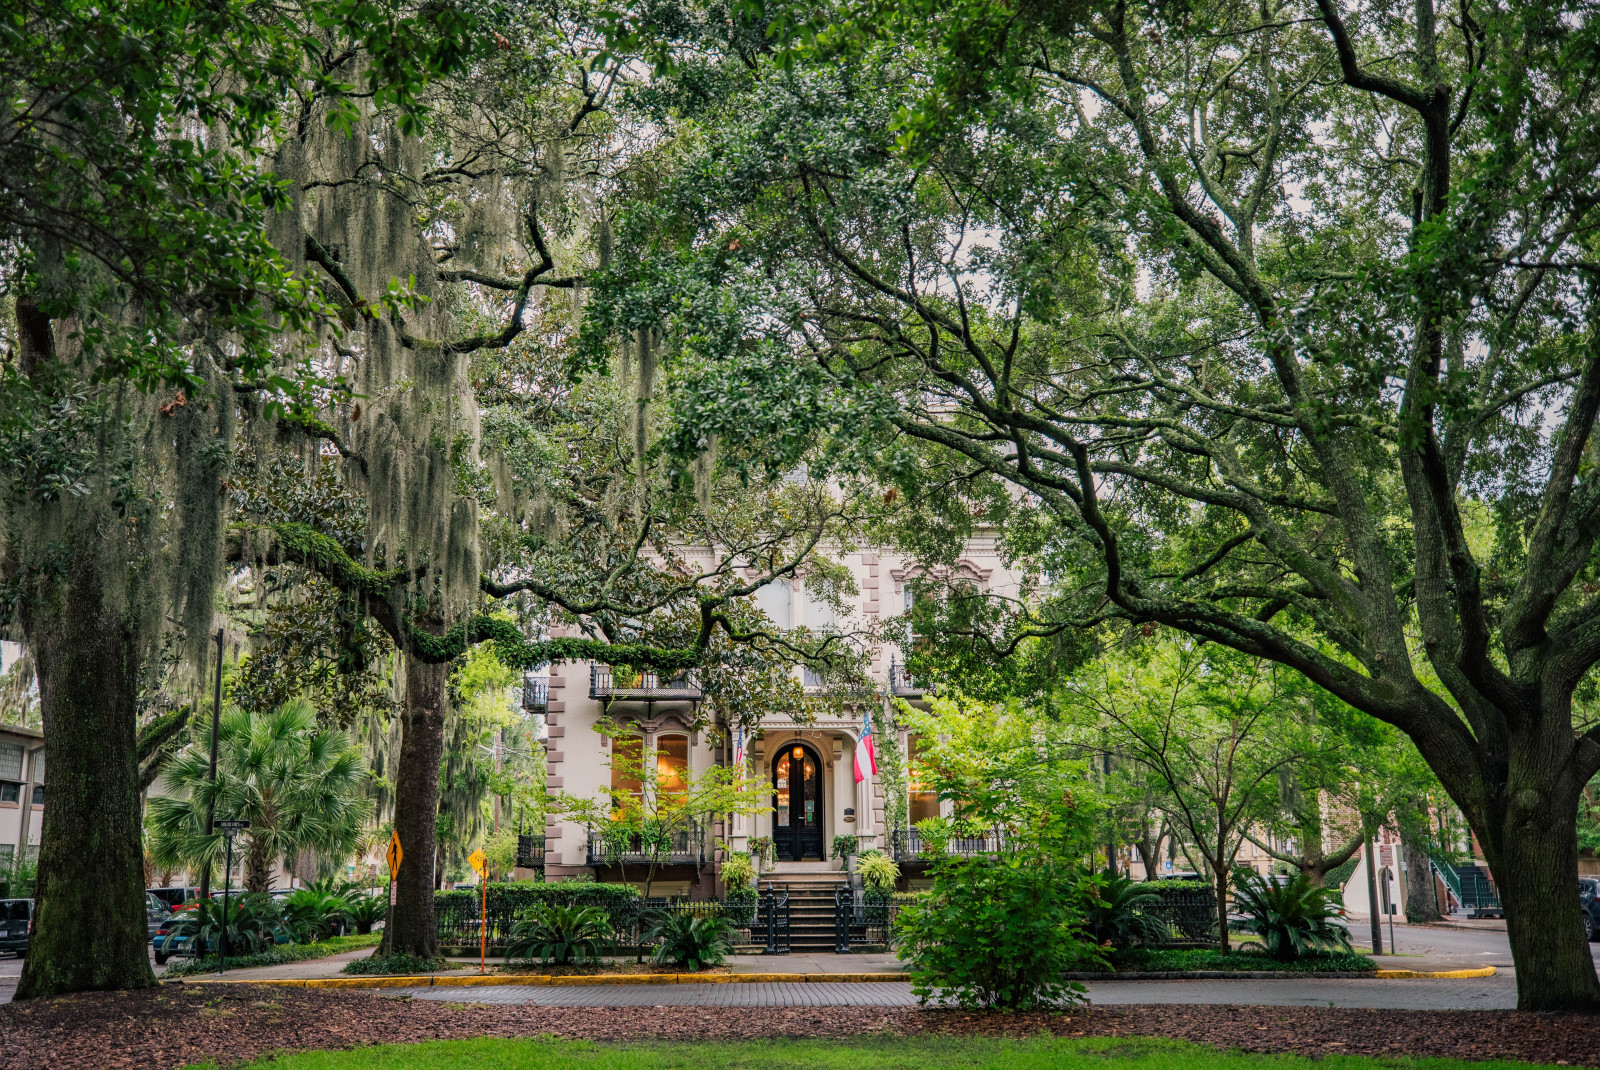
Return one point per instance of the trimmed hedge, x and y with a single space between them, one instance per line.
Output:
1210 959
456 911
277 956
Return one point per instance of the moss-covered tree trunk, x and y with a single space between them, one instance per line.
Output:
1422 905
1533 856
411 928
90 930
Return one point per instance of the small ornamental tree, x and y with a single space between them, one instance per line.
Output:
999 930
670 806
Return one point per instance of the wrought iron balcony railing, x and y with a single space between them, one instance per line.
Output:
530 852
909 845
900 682
535 694
606 682
609 847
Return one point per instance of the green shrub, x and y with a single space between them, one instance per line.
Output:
366 911
738 871
252 921
690 942
995 933
845 846
312 914
561 935
1293 918
1209 958
742 904
877 871
1121 912
273 956
399 965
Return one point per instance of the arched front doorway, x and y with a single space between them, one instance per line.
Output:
797 803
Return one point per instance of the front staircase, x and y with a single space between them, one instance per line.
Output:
811 904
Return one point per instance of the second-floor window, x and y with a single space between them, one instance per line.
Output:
9 792
672 764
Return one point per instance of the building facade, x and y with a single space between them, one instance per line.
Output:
809 765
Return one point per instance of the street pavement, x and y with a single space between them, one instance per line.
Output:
1419 947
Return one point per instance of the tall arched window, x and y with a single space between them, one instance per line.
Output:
625 755
672 765
924 800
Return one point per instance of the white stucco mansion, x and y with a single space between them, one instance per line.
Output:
811 767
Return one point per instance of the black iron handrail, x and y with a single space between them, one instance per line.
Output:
864 917
607 682
774 919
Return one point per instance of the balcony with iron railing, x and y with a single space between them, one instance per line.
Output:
627 685
530 852
683 846
909 845
535 694
900 682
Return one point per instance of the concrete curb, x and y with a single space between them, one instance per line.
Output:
1406 975
577 981
1276 975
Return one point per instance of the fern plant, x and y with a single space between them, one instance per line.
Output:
1120 912
1294 918
560 935
690 942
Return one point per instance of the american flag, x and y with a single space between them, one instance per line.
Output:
866 745
738 750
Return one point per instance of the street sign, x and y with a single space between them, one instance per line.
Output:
394 855
480 862
232 824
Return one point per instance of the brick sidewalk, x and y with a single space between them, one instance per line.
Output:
1493 993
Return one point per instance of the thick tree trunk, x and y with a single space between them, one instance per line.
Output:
1421 905
90 930
1534 862
410 929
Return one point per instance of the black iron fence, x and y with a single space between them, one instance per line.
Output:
613 847
1190 914
910 845
762 922
865 917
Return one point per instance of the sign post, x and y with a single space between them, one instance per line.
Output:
480 862
229 826
394 856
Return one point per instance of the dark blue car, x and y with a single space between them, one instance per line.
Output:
16 925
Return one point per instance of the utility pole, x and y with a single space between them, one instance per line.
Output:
211 806
1372 898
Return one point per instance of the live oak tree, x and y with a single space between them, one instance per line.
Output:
454 260
1279 318
143 291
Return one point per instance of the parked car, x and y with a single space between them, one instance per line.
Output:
175 896
164 948
16 925
1589 900
156 911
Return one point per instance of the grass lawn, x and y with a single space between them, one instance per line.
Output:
276 956
873 1053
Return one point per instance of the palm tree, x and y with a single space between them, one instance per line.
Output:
301 787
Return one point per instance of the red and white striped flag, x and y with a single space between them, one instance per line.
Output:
865 744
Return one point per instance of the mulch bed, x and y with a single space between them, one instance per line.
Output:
171 1025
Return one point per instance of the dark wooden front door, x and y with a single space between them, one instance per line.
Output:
797 804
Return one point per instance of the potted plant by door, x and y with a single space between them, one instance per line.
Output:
764 853
845 849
